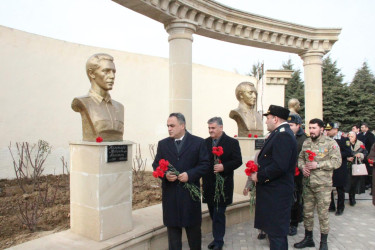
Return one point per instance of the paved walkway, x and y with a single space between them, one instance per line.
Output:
353 230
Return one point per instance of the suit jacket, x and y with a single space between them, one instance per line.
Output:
231 160
179 209
274 190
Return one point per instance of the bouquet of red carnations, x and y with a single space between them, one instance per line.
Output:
251 168
219 180
165 166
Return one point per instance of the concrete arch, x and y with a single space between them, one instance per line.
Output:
182 18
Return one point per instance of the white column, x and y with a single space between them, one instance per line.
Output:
312 63
180 68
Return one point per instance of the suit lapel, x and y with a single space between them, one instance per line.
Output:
186 144
172 147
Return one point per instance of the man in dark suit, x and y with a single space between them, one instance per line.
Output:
274 179
188 154
230 160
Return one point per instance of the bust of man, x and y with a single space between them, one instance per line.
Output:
247 118
101 115
294 106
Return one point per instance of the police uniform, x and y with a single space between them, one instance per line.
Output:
274 189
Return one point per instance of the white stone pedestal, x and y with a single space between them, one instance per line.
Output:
100 191
248 152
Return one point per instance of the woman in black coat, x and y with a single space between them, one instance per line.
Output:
357 183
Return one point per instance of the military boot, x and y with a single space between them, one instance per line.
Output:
307 241
323 242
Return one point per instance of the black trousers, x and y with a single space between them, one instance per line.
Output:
278 243
340 199
193 233
217 215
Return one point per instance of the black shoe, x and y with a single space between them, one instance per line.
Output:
211 245
339 212
261 235
323 242
307 241
292 230
332 209
352 202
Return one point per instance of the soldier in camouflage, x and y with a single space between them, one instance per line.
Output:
317 170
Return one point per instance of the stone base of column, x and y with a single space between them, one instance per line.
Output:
248 152
100 191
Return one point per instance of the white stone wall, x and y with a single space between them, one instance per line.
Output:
40 77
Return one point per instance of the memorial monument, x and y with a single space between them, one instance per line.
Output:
101 116
100 164
249 121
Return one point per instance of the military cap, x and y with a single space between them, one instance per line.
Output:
294 118
331 125
278 111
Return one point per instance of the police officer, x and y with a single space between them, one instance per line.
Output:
320 155
274 179
295 123
339 175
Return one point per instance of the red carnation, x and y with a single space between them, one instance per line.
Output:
311 155
247 171
155 174
256 136
163 165
251 167
249 135
296 172
235 135
370 161
218 151
362 146
99 139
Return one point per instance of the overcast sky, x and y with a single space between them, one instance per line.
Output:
104 23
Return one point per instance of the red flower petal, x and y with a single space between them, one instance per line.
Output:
99 139
256 136
249 135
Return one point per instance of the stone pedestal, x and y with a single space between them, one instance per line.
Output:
100 191
248 152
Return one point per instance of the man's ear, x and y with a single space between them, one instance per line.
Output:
91 74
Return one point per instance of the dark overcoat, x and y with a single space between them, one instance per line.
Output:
340 175
274 189
179 209
231 160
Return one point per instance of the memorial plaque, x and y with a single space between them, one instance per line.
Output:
117 153
259 143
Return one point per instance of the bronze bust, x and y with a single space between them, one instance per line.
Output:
294 106
247 118
101 115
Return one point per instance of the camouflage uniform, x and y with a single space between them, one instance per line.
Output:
318 187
